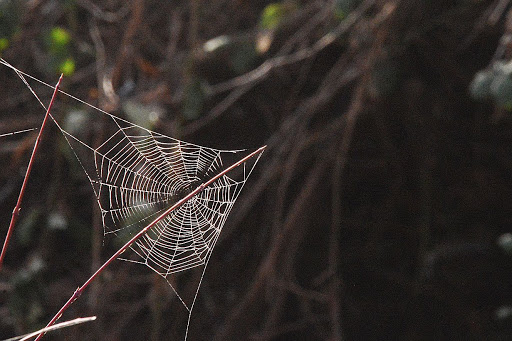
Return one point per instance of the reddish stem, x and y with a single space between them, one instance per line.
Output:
78 292
17 208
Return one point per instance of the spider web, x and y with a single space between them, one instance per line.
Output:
137 174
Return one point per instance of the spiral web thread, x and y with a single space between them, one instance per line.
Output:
136 174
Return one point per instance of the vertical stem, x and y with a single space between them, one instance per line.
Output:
200 188
17 208
194 25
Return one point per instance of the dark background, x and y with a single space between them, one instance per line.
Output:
381 209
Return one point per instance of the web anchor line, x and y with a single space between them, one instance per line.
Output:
17 208
78 292
18 132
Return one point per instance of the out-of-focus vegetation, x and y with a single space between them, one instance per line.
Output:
380 210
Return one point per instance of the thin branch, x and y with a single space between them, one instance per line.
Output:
126 48
242 84
61 325
108 99
99 13
264 69
193 35
17 208
78 292
498 11
268 264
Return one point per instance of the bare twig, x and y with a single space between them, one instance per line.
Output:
108 99
17 208
498 12
126 49
102 14
193 34
284 139
61 325
242 84
78 292
268 264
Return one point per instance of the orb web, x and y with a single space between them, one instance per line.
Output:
137 174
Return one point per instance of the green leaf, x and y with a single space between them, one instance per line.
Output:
67 67
272 15
59 37
4 43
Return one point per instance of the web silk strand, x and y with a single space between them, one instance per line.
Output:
17 208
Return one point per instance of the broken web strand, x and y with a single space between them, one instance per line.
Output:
138 159
18 132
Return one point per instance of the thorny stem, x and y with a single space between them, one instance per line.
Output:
78 292
17 208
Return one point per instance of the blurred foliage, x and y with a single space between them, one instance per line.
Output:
480 87
75 121
26 298
67 67
505 242
9 18
494 83
27 227
193 101
272 15
386 77
144 115
58 43
344 7
244 57
57 221
4 43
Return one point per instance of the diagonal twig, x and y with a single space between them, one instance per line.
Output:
61 325
78 292
17 208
